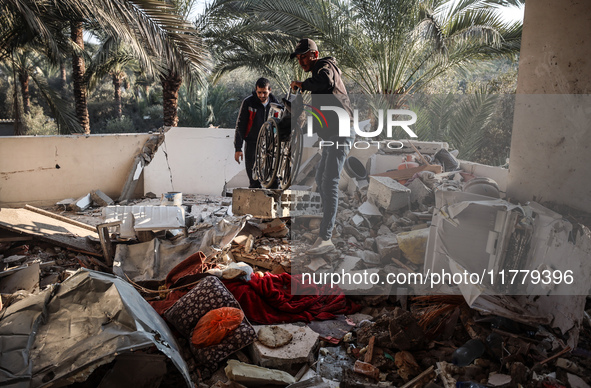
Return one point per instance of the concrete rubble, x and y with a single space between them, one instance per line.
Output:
393 221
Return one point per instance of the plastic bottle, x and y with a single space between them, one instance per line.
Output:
469 384
465 354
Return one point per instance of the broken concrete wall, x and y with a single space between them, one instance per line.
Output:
550 129
200 160
42 170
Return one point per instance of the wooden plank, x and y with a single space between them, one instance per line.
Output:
409 172
58 232
59 217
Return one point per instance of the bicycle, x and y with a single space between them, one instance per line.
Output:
279 146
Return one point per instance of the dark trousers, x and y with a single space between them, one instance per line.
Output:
249 158
327 179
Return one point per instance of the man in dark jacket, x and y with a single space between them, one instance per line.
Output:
253 113
328 89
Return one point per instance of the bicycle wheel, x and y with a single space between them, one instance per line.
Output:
267 154
290 159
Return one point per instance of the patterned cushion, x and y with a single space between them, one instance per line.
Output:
210 356
209 294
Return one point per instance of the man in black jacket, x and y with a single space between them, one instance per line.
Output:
253 113
328 89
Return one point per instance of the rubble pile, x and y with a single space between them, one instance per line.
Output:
124 287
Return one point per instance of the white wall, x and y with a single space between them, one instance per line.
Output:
201 160
29 172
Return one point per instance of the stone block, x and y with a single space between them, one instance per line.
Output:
419 192
387 245
100 198
288 357
387 193
82 203
252 375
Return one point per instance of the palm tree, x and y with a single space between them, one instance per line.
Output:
171 79
151 30
385 46
111 59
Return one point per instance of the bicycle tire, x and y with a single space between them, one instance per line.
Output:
267 153
290 163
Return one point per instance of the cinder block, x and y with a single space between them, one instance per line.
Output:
262 203
257 202
387 193
299 351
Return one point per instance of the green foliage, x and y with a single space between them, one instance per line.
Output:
120 125
210 106
37 123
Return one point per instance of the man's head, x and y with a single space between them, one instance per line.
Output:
262 89
306 52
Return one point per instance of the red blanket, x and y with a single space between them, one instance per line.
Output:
269 300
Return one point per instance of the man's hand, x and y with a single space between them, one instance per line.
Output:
296 84
238 156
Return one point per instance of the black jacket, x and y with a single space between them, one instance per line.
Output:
327 88
250 119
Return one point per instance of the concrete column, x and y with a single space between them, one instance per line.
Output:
551 141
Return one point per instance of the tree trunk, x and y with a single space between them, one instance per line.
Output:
117 86
170 95
63 77
18 125
78 69
23 77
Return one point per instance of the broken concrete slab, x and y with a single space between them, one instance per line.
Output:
291 356
253 376
81 203
100 198
387 194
